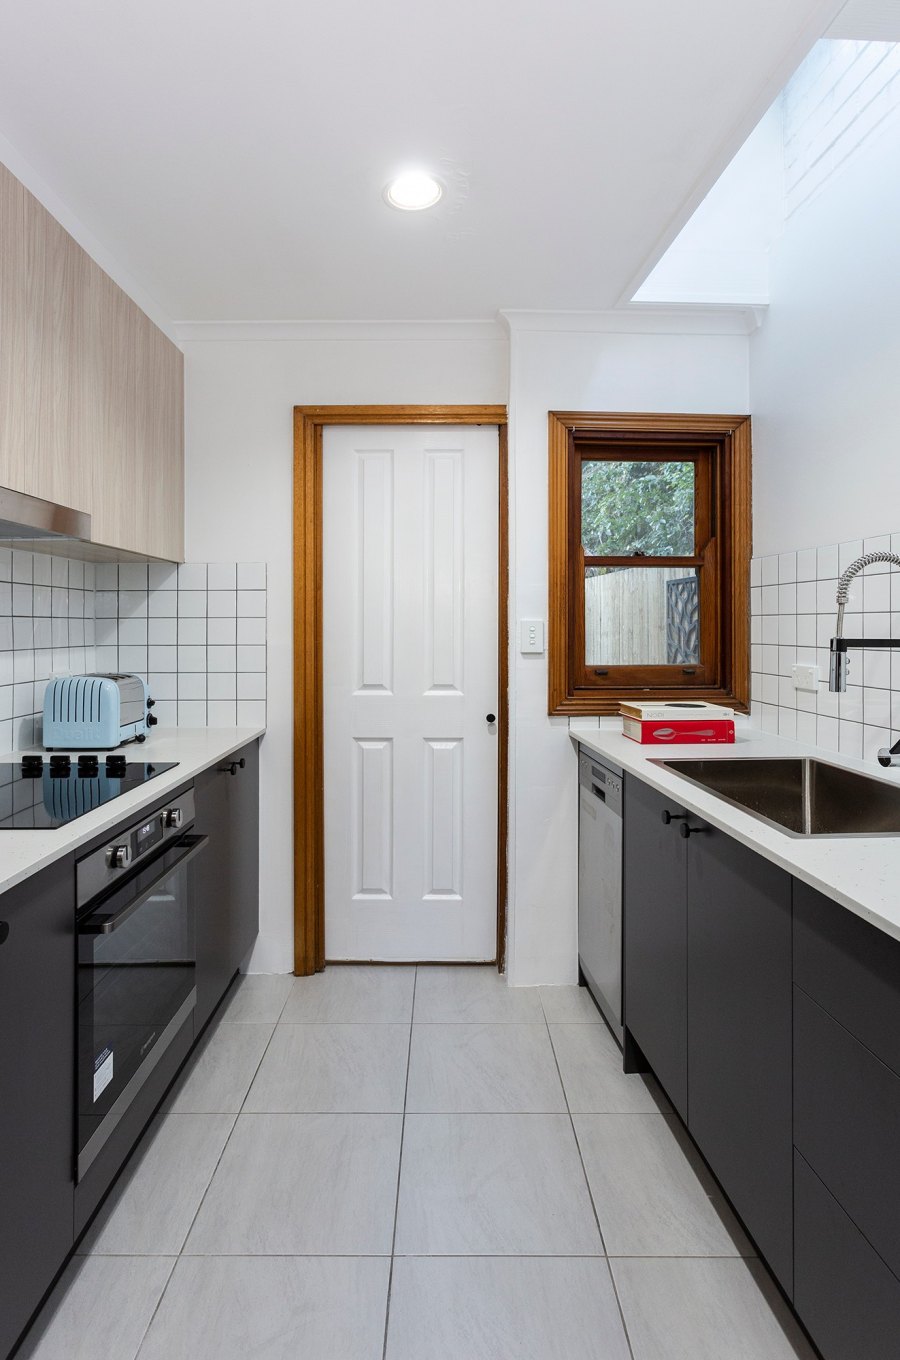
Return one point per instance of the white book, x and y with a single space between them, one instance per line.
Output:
674 709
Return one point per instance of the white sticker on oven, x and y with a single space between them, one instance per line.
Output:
103 1072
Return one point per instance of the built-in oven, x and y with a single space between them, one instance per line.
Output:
137 963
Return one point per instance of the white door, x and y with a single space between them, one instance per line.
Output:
410 674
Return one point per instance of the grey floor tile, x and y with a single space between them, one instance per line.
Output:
706 1310
219 1077
303 1185
478 1308
257 998
493 1184
352 994
277 1307
653 1195
590 1062
472 993
570 1005
100 1309
483 1068
338 1068
150 1211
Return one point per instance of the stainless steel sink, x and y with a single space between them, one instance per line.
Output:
804 797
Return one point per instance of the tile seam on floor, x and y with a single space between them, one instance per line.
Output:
387 1303
150 1320
609 1271
181 1251
239 980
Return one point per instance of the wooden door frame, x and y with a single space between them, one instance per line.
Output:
310 423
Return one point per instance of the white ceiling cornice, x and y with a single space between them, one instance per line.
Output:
643 320
634 320
338 330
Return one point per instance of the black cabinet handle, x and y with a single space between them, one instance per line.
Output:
233 766
686 830
4 931
668 816
490 717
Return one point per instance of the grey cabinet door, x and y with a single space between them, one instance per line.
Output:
243 795
37 1074
227 878
739 1033
655 936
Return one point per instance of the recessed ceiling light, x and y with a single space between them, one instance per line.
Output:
412 191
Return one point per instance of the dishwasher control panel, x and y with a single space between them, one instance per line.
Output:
604 783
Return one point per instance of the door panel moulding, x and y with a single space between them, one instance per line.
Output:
309 769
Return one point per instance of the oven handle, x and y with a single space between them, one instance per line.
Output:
98 924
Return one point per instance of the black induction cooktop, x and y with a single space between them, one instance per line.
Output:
40 794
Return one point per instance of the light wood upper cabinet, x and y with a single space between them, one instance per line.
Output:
91 391
58 429
12 331
138 466
112 376
159 426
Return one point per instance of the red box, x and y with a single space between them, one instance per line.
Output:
681 732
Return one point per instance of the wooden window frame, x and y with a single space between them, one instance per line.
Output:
723 677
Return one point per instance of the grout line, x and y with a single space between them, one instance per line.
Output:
588 1185
152 1318
387 1309
237 1116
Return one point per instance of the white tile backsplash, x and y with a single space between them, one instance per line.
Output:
794 621
197 632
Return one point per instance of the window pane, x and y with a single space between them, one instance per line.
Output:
641 616
628 507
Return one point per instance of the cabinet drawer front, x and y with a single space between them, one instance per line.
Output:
843 1292
847 1123
851 968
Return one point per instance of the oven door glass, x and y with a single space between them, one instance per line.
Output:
136 987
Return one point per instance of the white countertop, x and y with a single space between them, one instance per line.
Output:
862 873
23 853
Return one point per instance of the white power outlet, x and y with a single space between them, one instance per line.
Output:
531 636
806 677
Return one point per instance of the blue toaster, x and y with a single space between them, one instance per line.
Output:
87 711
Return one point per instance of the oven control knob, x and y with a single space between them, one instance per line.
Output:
118 856
172 817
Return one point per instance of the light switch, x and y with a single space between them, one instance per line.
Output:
806 677
531 636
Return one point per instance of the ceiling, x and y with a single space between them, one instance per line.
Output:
231 156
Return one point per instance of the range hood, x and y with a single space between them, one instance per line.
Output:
30 521
36 525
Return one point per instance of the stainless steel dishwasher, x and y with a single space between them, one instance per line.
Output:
600 884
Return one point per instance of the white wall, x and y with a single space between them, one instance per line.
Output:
240 397
824 365
565 369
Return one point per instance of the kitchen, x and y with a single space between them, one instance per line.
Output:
813 369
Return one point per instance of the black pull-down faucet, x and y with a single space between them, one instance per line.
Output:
838 660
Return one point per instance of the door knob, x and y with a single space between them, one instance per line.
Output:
687 831
490 717
668 816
